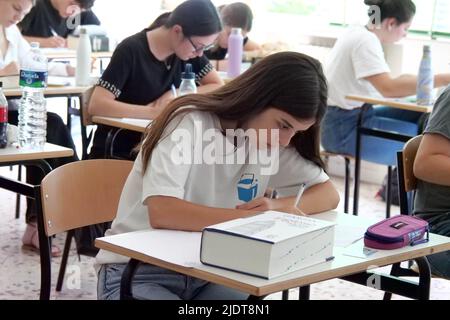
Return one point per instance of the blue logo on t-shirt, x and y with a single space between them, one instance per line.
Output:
247 187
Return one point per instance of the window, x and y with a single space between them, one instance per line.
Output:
431 15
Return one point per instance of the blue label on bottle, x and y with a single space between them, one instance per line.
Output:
33 79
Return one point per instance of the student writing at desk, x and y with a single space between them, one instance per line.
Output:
234 15
13 47
143 68
47 23
281 100
432 168
357 66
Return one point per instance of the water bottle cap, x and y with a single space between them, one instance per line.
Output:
188 73
83 31
236 31
426 48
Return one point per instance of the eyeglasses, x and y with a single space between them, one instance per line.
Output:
202 48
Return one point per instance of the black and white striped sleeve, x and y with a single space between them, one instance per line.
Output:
117 73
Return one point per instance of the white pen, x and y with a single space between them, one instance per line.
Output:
53 32
299 194
174 90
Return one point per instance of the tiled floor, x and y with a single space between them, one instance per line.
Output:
19 268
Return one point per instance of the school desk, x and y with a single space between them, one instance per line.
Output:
349 263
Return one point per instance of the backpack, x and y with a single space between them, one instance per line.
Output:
85 238
394 188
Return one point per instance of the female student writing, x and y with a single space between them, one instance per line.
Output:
234 15
13 47
138 80
281 98
357 66
432 167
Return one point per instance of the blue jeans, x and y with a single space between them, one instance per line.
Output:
339 132
439 224
155 283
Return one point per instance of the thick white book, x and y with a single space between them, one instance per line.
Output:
268 245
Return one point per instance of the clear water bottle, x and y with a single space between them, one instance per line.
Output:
33 107
425 79
84 52
235 52
187 85
3 119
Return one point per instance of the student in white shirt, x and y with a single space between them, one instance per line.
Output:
357 66
13 47
180 182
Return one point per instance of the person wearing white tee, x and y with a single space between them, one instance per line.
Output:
13 48
357 66
196 168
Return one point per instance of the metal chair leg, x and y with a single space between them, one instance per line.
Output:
347 184
65 257
19 178
389 193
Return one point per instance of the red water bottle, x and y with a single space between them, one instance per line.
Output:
3 119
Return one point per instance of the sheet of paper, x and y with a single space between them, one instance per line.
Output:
346 235
54 81
358 250
180 248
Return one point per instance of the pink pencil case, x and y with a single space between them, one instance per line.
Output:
397 232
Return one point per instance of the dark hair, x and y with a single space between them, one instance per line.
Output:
160 21
196 17
402 10
85 4
288 81
237 15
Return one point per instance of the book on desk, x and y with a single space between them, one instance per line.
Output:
267 245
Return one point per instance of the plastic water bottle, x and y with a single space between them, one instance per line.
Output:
235 52
33 107
187 85
3 119
84 52
425 79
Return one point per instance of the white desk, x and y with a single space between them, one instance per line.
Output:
393 103
343 265
138 125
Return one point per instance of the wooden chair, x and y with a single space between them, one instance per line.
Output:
81 194
407 182
86 121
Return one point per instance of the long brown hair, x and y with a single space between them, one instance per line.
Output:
288 81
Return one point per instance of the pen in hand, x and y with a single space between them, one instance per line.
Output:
299 195
174 91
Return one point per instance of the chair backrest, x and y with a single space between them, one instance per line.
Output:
85 116
82 193
407 182
409 155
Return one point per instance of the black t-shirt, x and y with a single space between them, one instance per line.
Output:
135 76
43 20
220 53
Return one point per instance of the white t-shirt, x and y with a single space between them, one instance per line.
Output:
18 47
219 185
357 54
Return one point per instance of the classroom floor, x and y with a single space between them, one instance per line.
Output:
19 268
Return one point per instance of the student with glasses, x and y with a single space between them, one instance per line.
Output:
138 80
